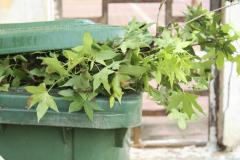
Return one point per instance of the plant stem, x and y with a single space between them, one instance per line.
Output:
218 9
55 83
158 14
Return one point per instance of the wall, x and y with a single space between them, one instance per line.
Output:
231 90
26 10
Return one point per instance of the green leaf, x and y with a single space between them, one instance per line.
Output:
73 59
20 57
102 78
111 101
89 107
185 102
87 42
41 97
132 70
4 87
76 105
36 90
54 66
1 78
80 82
105 55
182 123
66 93
158 76
220 60
116 87
181 118
226 28
89 111
37 72
237 60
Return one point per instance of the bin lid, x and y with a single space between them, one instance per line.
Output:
52 35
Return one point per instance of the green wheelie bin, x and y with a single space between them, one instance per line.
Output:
63 135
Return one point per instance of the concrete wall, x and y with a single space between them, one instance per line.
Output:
231 90
26 10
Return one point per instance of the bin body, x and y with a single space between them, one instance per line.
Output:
64 135
23 142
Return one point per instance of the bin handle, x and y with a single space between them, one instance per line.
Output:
3 128
120 136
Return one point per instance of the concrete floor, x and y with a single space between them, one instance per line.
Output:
186 153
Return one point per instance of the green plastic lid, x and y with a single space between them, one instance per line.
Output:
52 35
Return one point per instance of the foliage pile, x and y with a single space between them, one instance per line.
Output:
126 65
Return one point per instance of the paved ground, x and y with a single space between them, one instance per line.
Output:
186 153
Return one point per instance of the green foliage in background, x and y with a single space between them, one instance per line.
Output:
125 65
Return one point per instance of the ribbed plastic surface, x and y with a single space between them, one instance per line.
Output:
124 115
51 35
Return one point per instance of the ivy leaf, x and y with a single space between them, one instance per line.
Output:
4 67
132 70
185 102
79 82
37 72
73 59
4 87
78 103
89 108
226 28
237 60
18 75
102 78
103 55
180 117
1 78
41 97
66 93
54 66
220 60
116 87
87 43
20 57
111 101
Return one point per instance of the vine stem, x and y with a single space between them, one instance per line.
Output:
55 84
215 10
158 14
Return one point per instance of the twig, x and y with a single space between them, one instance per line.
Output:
158 14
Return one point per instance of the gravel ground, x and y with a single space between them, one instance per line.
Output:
186 153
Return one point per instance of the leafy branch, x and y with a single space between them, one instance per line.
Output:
124 65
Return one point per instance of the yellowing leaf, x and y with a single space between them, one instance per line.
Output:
41 97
